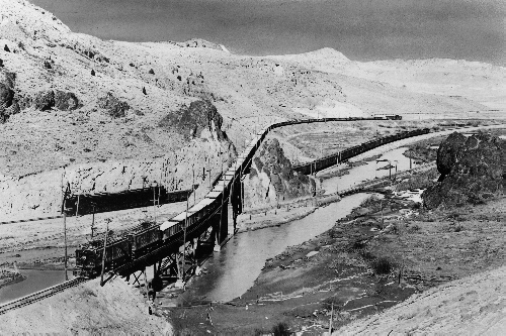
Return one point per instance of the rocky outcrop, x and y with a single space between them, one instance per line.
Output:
197 161
8 102
114 107
62 100
272 178
191 121
65 100
447 152
472 170
44 100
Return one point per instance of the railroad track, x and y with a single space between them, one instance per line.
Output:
48 292
40 295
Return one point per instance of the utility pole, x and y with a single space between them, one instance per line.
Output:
331 316
63 210
218 242
103 253
193 186
154 200
93 222
77 208
184 239
144 185
65 238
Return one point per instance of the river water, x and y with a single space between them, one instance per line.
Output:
232 271
370 170
35 280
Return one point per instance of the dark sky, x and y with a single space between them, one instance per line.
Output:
361 29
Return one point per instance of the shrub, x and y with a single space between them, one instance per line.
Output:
258 332
333 302
381 266
87 292
280 329
414 228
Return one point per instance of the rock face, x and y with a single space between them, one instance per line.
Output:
62 100
198 161
44 101
114 107
65 100
447 152
191 121
8 102
272 178
472 170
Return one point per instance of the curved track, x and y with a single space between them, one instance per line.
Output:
201 212
145 245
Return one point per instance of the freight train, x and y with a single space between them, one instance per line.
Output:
348 153
150 240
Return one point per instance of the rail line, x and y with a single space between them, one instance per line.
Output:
31 220
40 295
222 187
51 291
136 247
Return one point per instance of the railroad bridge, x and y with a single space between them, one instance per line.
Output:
170 247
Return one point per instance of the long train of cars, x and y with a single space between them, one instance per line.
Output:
134 198
348 153
149 241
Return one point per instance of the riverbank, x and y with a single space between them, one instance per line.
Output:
385 251
274 217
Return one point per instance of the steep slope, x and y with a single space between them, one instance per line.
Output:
470 306
87 309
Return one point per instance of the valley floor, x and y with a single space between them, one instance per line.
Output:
385 251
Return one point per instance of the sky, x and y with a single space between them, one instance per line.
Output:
361 29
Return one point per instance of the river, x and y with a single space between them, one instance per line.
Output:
232 271
35 280
370 170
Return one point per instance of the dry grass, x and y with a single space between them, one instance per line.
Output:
421 180
87 309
